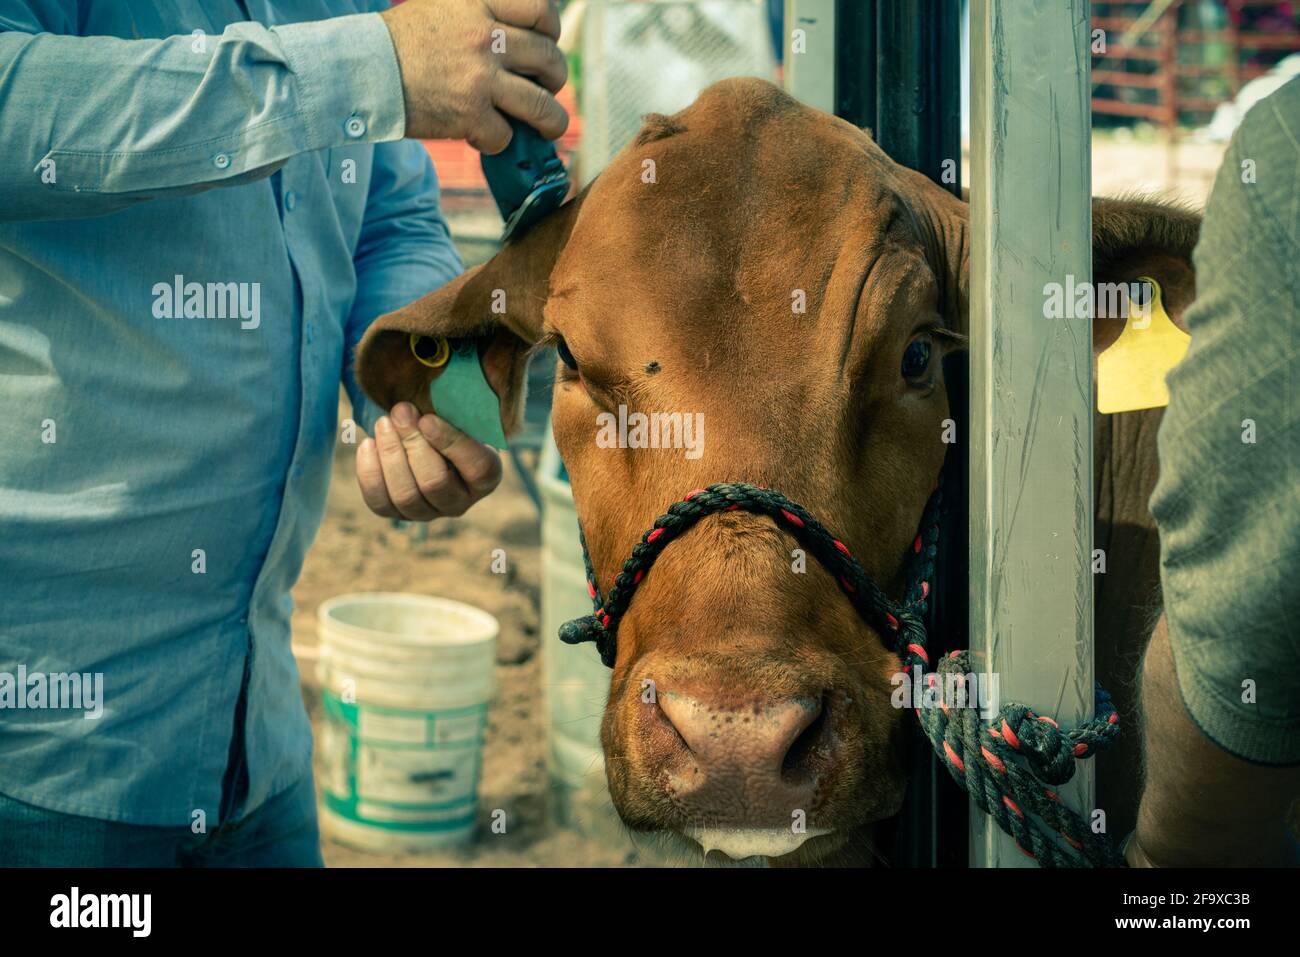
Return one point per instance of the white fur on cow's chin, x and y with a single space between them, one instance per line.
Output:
743 843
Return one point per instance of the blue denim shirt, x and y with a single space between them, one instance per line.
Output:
202 207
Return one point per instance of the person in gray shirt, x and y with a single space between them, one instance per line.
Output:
1221 676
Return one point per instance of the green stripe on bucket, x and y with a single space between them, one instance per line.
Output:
411 746
350 713
347 811
412 806
345 709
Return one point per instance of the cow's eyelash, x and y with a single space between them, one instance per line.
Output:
553 340
550 339
943 332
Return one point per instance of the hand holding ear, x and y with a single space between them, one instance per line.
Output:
464 63
420 468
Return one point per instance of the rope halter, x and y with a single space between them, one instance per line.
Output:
903 621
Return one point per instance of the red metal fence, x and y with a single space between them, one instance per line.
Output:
1182 64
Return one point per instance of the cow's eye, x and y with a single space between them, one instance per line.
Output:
566 356
916 359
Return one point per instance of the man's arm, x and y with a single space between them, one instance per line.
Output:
1202 807
91 125
1220 683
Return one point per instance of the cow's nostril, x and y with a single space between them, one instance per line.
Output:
771 738
732 762
798 766
673 733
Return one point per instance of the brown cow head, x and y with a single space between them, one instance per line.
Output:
766 269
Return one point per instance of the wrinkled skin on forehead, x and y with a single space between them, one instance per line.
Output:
766 266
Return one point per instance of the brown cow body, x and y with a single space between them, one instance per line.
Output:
747 693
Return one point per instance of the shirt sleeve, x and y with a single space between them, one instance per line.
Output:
93 124
405 251
1226 502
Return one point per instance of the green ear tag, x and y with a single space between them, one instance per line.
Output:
462 396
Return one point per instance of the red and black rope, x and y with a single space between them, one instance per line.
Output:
1006 764
1012 764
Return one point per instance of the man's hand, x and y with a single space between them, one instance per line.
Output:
465 62
425 469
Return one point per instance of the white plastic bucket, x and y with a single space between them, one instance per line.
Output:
405 685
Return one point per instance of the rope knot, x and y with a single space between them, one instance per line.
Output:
1045 748
981 757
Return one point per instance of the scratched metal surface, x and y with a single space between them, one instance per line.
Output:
1031 418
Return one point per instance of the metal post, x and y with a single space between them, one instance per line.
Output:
918 86
1031 496
855 62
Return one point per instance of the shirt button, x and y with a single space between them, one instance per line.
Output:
221 161
355 126
290 200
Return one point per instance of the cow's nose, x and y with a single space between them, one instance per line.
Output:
751 765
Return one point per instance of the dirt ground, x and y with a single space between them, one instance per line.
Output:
1126 162
357 551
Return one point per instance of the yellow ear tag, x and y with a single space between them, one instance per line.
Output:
1131 373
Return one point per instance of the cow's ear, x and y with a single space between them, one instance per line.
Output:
1135 238
498 303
